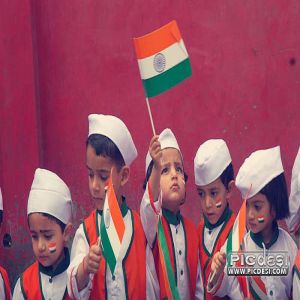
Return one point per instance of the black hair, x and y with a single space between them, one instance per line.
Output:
1 216
106 147
227 175
52 218
149 171
277 194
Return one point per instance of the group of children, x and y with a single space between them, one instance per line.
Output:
196 257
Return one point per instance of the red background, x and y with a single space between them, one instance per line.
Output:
61 60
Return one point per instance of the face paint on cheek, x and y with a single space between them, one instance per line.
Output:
218 204
52 247
260 219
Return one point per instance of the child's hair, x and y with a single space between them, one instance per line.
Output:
52 218
277 195
106 147
227 175
149 171
1 216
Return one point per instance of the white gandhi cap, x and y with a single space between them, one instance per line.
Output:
167 139
258 170
113 128
49 194
211 159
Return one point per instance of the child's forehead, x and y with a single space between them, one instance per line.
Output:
39 221
170 155
257 198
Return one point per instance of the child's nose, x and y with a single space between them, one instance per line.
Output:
41 245
174 173
96 183
251 214
208 201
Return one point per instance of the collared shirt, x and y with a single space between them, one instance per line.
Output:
115 284
277 287
53 282
150 222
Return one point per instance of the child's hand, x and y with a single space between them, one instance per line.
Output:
155 152
92 260
218 265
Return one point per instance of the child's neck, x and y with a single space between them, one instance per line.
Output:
267 234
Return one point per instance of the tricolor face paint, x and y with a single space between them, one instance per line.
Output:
260 219
52 247
219 203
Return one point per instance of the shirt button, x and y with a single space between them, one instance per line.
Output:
180 252
50 280
113 277
181 272
271 293
176 230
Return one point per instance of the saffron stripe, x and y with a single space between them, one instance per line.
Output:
157 40
115 211
162 82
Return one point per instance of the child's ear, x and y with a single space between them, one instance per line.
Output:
67 232
125 173
229 189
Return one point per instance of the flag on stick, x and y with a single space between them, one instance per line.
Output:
162 58
112 227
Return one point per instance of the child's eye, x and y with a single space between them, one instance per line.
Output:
34 237
201 194
103 178
164 170
214 194
257 207
91 174
179 170
48 237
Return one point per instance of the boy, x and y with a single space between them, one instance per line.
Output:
49 212
109 146
164 194
4 280
214 179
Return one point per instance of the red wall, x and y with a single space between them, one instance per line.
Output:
61 60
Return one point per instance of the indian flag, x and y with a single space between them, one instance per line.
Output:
112 227
52 247
162 58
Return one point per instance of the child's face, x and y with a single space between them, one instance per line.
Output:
259 213
48 240
213 199
99 168
172 179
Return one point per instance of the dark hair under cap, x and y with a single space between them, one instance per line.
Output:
277 194
106 147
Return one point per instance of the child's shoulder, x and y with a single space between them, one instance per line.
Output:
285 238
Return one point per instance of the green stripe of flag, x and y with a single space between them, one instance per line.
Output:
164 247
164 81
229 247
108 252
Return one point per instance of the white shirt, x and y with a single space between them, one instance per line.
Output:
277 287
2 288
116 287
150 222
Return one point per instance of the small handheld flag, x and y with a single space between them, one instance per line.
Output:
112 227
162 58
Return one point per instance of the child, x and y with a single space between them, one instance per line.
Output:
110 146
261 180
4 280
49 212
214 179
165 188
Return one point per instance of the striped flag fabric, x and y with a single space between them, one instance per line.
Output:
112 227
162 58
168 274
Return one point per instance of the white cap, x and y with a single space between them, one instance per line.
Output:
294 200
113 128
49 194
1 200
211 159
258 170
167 139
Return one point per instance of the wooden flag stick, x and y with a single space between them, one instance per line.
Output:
150 115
